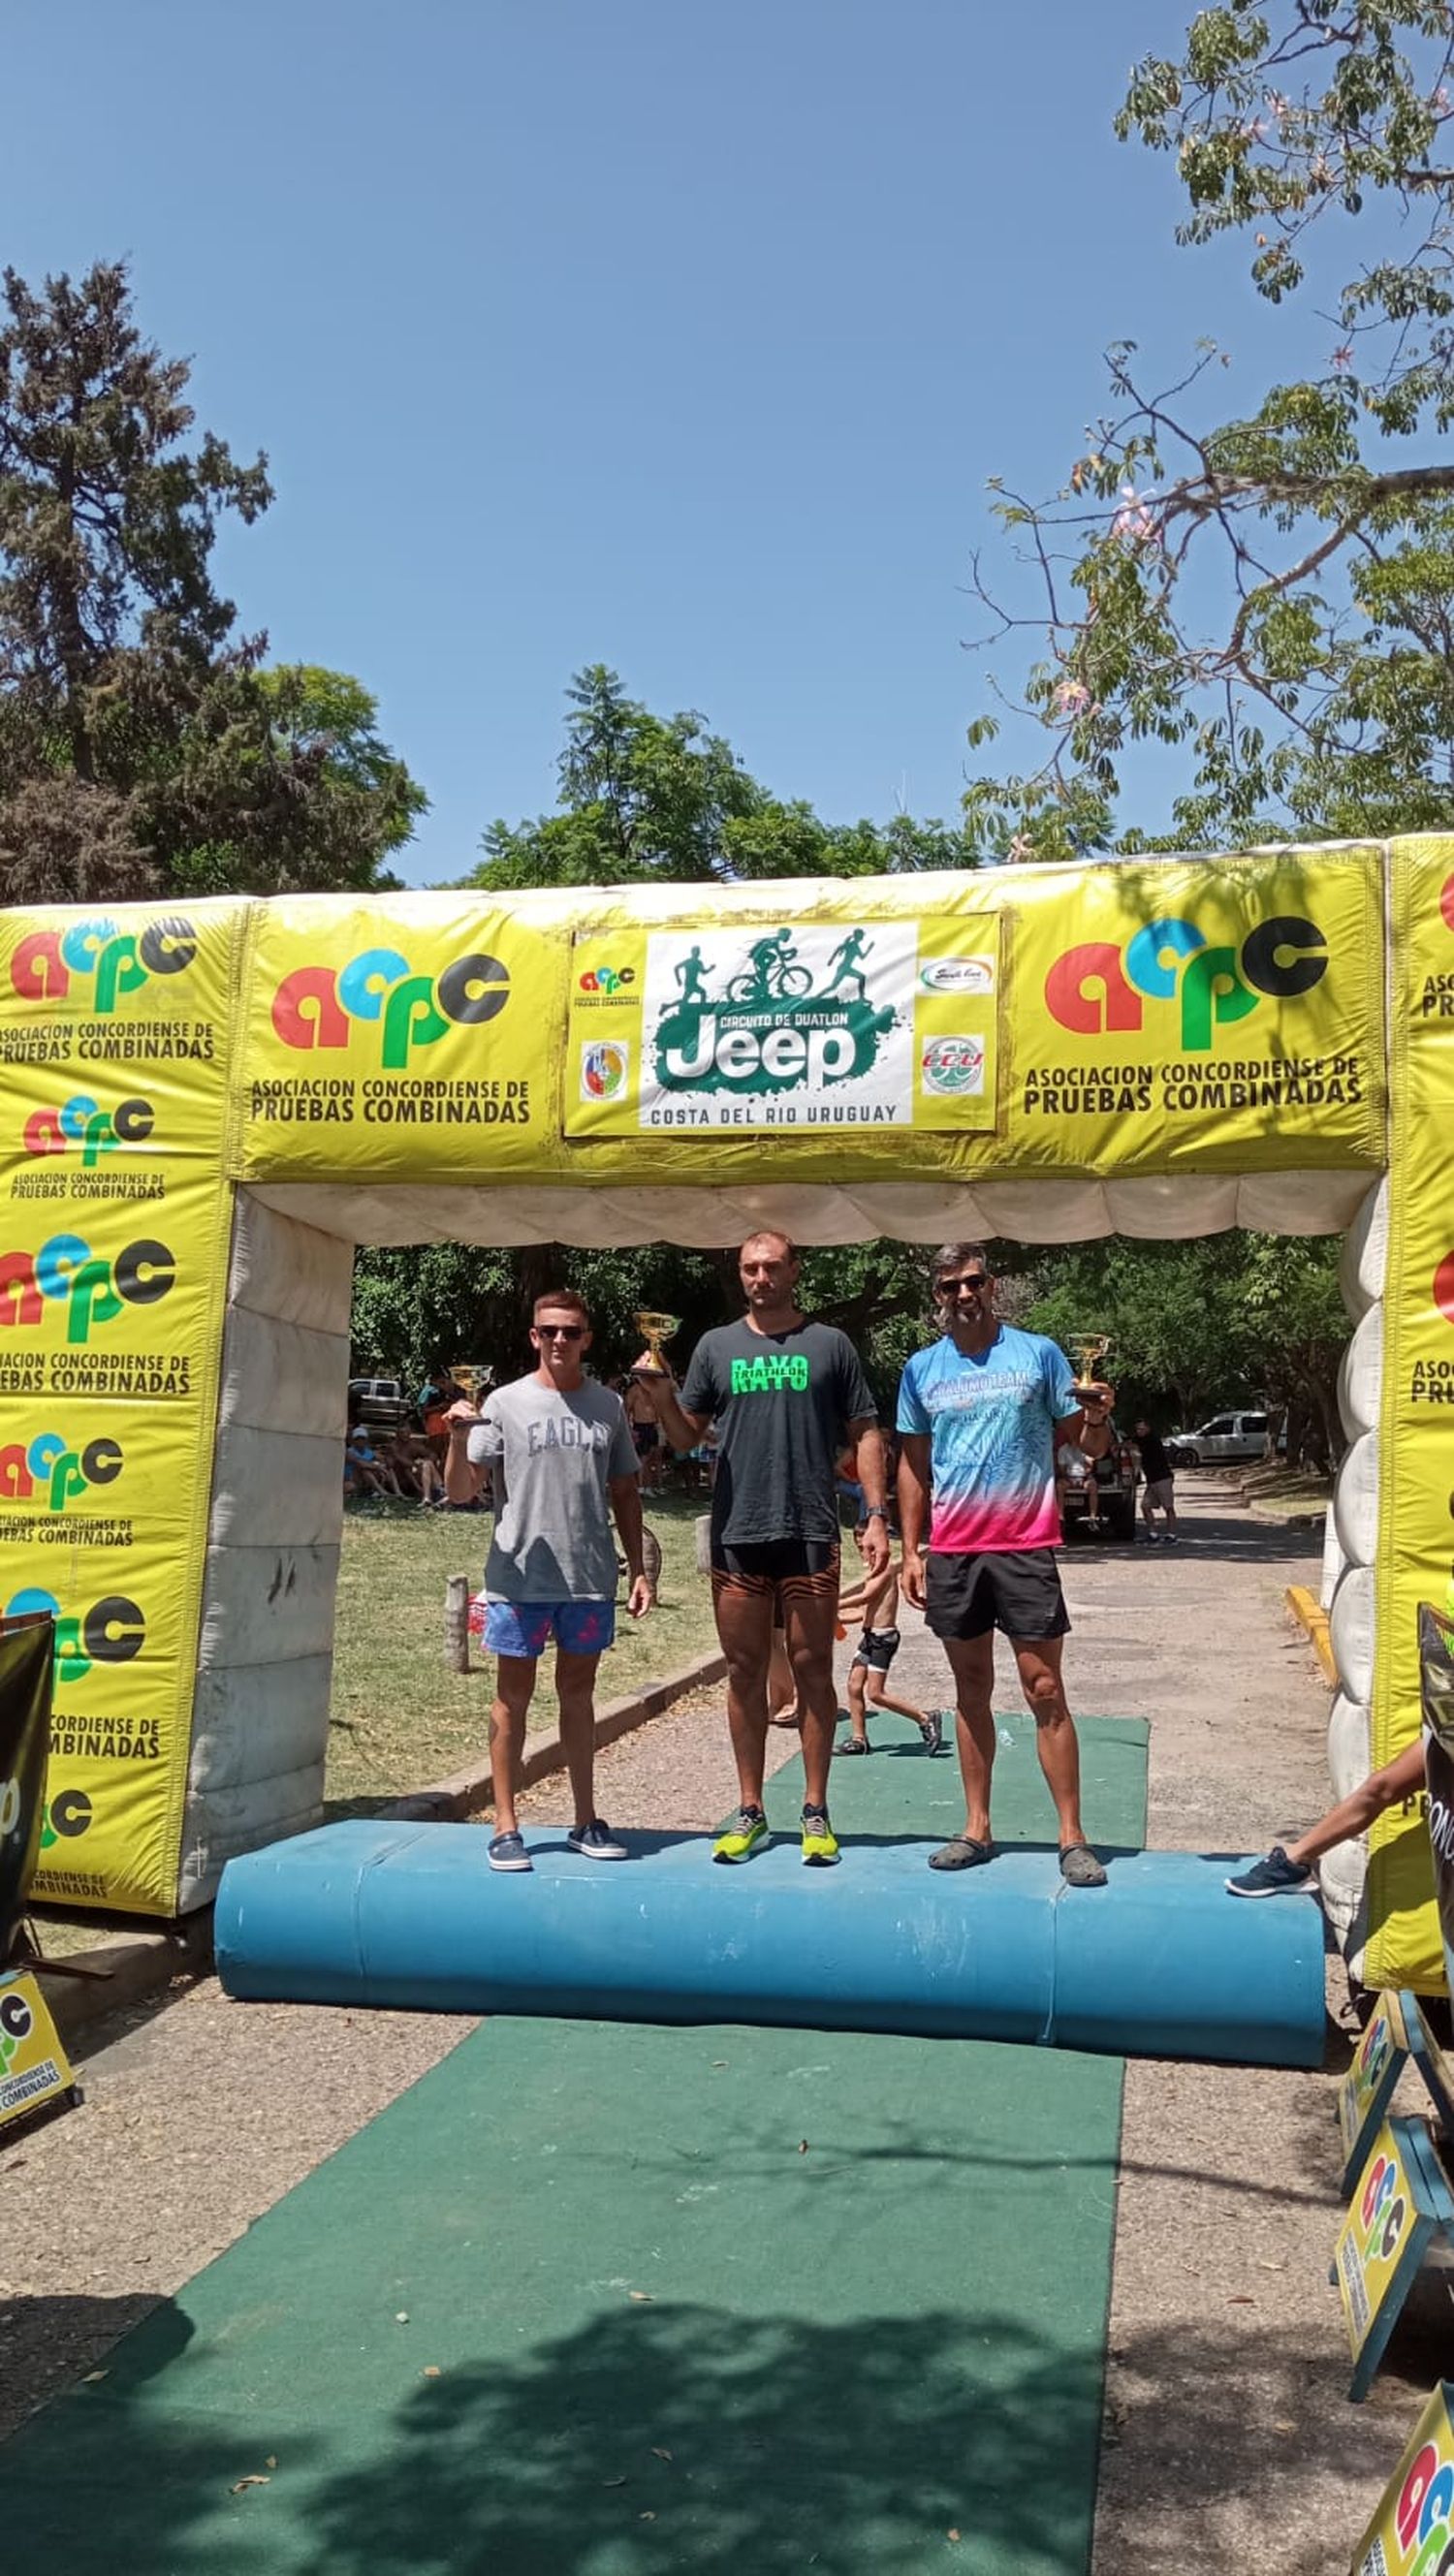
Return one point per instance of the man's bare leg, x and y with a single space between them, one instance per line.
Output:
575 1688
972 1662
744 1630
1038 1662
809 1626
514 1688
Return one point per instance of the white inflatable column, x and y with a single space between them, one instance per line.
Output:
1349 1557
265 1657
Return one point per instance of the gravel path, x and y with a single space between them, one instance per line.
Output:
1229 2440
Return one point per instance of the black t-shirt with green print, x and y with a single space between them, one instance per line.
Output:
782 1403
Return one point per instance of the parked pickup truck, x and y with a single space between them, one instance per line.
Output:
1116 1476
380 1402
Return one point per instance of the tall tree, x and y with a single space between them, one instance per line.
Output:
644 796
143 747
1270 593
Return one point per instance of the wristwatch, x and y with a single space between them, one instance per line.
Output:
875 1511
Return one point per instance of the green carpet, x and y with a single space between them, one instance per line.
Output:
599 2301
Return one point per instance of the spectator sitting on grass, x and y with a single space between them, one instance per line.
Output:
365 1475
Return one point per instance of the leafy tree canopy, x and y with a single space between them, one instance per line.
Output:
644 796
1195 1326
144 746
1271 593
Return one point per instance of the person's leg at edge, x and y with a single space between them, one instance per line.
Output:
1038 1662
514 1689
809 1621
575 1688
878 1697
857 1709
782 1690
972 1663
744 1632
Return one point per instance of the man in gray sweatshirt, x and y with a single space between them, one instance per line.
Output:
563 1465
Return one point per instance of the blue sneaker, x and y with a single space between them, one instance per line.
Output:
596 1841
508 1851
1275 1876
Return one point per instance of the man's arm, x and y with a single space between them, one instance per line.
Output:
1090 1428
913 1509
868 1445
683 1430
462 1482
625 1497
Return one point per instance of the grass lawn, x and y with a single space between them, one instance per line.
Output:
399 1718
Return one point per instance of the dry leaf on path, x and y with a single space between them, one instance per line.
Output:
249 2482
644 2295
659 2454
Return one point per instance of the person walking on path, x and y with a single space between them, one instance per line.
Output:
564 1465
875 1602
1158 1487
786 1394
979 1415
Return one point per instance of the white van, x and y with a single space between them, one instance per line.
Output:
1227 1435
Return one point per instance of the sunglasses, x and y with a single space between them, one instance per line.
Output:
559 1332
975 1279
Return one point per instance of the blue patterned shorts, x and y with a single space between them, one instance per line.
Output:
525 1627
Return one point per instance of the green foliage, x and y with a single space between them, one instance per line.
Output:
646 797
451 1301
1196 1325
144 749
1320 701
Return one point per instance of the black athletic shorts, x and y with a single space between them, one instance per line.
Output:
1020 1594
877 1648
788 1569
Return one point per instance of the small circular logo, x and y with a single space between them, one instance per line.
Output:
953 1065
603 1071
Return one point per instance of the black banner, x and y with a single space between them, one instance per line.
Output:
27 1665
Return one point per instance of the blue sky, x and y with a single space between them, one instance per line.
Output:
679 338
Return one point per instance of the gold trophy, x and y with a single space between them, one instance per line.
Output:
654 1329
1089 1349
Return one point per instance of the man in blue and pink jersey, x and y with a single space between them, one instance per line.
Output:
980 1413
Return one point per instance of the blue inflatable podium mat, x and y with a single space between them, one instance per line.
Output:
1161 1962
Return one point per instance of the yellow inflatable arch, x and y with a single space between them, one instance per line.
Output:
205 1110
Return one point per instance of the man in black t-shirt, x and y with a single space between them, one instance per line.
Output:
786 1395
1158 1490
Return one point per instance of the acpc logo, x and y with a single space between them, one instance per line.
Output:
45 961
46 1466
1100 987
318 1007
607 979
93 1291
96 1131
112 1631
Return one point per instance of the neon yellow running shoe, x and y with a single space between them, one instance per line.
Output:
820 1843
746 1834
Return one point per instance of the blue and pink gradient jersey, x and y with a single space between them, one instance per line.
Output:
990 1421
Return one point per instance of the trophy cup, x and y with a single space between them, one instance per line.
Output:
654 1329
1089 1349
